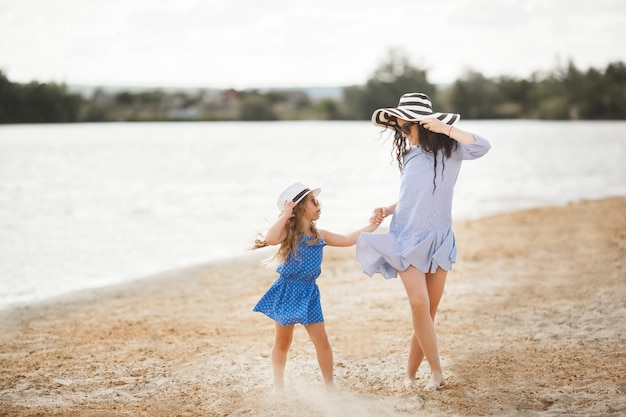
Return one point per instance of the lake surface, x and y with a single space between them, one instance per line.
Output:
87 205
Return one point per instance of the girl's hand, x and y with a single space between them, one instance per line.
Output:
288 209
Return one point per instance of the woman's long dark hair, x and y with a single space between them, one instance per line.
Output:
429 141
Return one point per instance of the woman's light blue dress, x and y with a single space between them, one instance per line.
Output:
295 297
420 233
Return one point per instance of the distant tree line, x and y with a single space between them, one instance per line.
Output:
37 103
562 94
565 94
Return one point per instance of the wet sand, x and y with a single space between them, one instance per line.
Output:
532 323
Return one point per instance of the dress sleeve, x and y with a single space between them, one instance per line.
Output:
476 149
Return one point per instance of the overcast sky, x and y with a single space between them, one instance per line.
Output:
272 43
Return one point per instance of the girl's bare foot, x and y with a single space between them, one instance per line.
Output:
279 387
409 382
436 382
330 387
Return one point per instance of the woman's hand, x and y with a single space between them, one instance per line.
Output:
435 125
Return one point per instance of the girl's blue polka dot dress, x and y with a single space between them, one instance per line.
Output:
295 297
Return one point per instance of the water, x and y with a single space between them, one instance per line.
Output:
88 205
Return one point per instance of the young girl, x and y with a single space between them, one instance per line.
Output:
294 297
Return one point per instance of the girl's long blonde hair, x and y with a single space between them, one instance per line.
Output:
289 246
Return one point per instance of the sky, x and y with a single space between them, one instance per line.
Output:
288 43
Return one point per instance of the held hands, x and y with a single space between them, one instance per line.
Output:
378 215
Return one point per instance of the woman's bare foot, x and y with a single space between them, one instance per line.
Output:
436 382
409 382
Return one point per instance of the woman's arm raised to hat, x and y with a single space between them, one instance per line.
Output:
277 233
437 126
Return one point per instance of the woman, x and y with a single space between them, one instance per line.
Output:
420 245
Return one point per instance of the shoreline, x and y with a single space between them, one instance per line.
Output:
531 323
91 292
69 294
12 315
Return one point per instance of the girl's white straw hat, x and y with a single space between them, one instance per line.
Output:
412 107
295 192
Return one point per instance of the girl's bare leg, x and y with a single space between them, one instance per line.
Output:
435 283
317 333
414 282
282 340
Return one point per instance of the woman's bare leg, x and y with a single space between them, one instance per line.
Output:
317 333
282 340
416 356
414 282
435 283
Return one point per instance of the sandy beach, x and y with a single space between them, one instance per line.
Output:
532 323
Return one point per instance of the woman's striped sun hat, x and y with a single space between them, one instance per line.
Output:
412 107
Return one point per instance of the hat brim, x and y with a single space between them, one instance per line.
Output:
384 117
